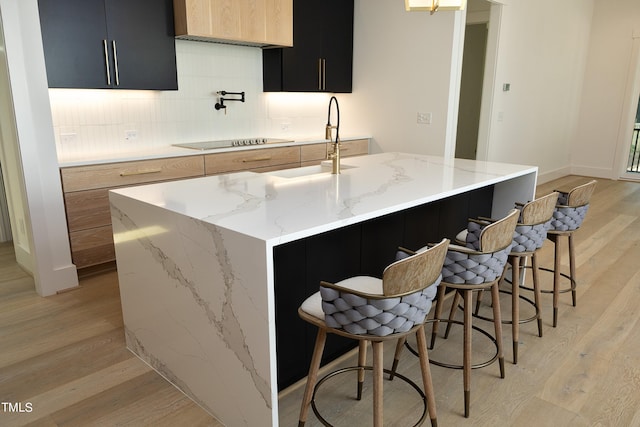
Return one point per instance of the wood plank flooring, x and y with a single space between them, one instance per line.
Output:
66 355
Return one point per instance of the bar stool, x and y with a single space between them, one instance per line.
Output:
567 218
466 270
528 238
370 309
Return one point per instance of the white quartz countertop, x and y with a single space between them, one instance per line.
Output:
287 205
70 160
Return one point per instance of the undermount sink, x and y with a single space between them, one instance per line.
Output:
306 171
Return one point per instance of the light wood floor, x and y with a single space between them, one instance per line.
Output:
65 354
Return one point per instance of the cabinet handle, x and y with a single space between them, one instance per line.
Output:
319 73
324 74
115 61
140 172
106 61
256 159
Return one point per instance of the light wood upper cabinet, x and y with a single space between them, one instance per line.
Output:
254 22
279 22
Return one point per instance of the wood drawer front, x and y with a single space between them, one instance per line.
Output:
87 209
250 159
92 247
313 152
128 173
357 147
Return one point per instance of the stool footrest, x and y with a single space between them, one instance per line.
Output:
510 321
455 366
366 368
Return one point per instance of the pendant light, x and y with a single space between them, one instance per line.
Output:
434 5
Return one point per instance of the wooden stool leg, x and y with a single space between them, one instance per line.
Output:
452 313
312 378
478 301
362 359
378 416
396 357
556 279
572 269
515 305
466 354
536 291
497 322
426 376
437 314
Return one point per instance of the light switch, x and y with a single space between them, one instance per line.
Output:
424 118
130 135
67 138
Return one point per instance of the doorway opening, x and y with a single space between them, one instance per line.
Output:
479 59
475 46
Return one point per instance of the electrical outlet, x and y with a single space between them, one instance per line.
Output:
68 138
130 135
424 118
284 127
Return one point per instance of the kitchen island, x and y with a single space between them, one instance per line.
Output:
211 269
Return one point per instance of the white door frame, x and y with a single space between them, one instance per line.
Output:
488 85
489 81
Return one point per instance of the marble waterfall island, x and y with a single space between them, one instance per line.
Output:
200 261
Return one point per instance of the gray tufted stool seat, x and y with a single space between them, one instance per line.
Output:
567 218
366 308
528 237
469 269
357 314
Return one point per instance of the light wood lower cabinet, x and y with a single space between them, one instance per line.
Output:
258 160
86 196
87 209
313 154
356 147
130 173
92 246
86 188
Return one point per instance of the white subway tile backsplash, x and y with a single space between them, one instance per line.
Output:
100 118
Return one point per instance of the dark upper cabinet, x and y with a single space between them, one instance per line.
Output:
322 54
102 44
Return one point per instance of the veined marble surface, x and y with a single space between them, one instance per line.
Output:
279 207
195 261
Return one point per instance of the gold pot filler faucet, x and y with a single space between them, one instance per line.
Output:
335 156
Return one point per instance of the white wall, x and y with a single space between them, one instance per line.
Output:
606 88
27 136
542 53
402 65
